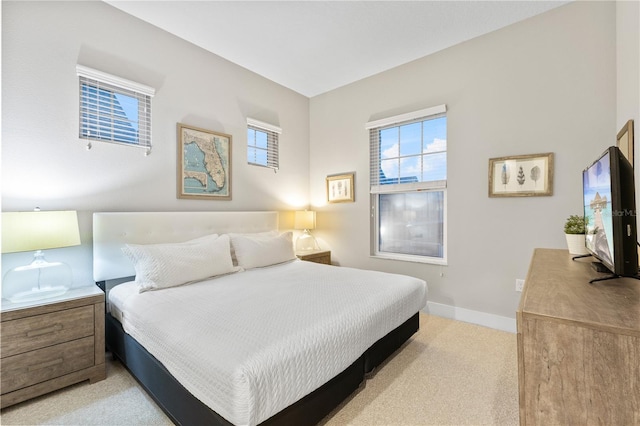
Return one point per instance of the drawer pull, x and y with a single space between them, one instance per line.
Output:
45 364
46 330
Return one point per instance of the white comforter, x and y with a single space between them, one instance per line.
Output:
252 343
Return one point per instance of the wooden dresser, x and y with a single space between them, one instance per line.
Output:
50 344
578 345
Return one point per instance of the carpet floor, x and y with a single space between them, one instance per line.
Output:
449 373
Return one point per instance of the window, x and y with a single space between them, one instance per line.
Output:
262 144
113 109
408 176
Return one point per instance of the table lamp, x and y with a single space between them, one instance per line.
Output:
38 230
305 220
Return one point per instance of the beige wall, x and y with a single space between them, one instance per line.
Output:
628 73
45 164
547 84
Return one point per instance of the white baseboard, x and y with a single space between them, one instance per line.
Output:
475 317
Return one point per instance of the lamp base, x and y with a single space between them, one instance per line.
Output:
37 294
306 242
38 280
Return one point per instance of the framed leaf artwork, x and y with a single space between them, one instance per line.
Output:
340 188
521 175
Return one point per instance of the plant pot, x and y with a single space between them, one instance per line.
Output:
575 243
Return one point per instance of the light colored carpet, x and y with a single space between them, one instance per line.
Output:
117 400
449 373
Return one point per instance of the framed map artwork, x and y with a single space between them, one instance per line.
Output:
204 164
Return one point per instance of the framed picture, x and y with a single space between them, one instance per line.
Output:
340 188
625 140
204 164
521 175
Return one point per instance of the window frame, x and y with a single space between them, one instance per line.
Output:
112 84
377 189
273 143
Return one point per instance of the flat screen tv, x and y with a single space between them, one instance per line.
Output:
610 212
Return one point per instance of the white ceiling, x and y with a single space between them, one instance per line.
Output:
316 46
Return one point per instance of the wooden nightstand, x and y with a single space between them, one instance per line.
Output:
52 343
317 256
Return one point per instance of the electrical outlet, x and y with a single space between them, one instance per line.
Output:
519 285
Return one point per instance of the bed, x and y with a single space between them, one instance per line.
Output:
264 339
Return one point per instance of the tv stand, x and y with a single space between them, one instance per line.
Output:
611 277
578 346
599 267
580 256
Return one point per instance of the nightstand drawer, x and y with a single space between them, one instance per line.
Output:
316 256
325 260
24 370
26 334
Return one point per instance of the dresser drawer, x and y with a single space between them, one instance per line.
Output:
27 369
26 334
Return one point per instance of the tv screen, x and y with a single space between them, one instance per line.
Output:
610 212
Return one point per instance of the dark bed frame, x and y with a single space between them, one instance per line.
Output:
184 409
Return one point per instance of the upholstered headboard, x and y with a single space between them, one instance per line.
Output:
111 231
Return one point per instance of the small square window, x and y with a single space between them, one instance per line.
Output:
262 144
113 109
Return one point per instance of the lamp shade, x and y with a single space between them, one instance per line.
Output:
304 220
39 230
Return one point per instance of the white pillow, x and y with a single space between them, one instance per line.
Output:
167 265
254 252
254 235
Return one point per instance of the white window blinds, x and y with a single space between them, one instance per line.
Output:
113 109
262 144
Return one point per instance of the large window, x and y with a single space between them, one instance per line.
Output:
262 144
409 185
113 109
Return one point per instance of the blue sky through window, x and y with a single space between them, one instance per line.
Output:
130 107
257 145
109 116
414 152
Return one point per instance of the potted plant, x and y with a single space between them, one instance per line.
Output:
574 231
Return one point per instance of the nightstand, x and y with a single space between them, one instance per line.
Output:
317 256
50 344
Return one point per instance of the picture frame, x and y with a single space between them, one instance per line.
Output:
521 175
624 140
203 164
340 188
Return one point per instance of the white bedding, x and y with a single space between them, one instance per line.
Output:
252 343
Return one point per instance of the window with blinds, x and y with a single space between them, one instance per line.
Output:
262 144
408 181
113 109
